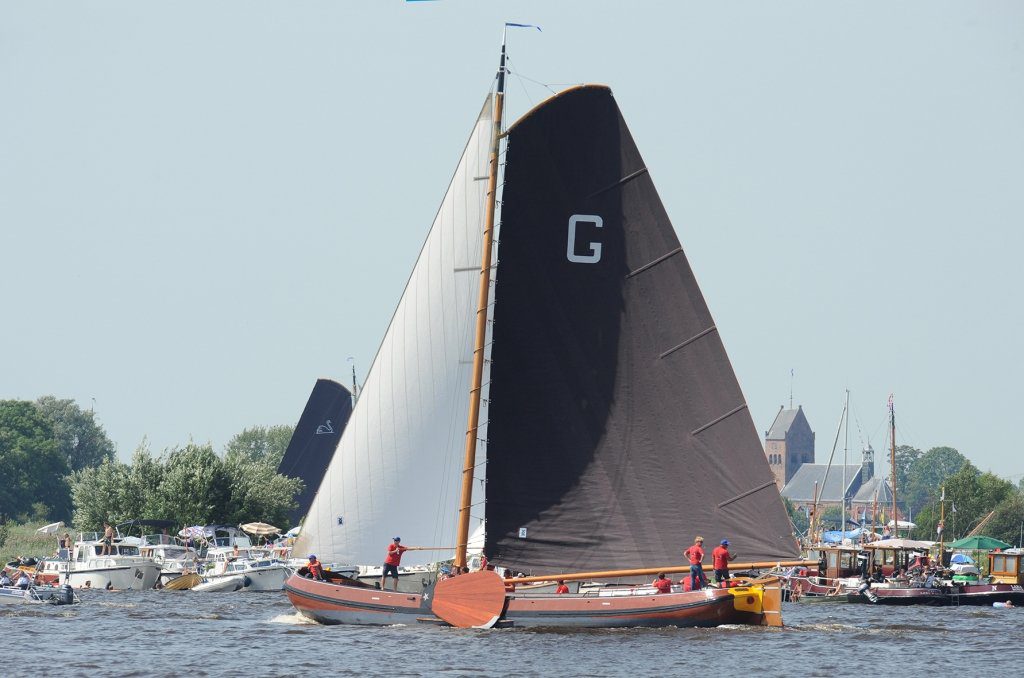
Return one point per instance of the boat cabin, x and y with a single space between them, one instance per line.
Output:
835 562
892 558
1006 567
90 550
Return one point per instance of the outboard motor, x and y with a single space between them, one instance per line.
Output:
66 596
865 590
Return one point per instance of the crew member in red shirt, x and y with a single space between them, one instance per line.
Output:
562 588
662 583
316 570
695 554
391 562
721 557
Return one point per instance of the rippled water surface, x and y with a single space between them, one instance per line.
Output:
258 634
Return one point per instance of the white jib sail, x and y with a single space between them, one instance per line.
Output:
397 466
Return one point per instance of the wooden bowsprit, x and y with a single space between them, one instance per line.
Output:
473 600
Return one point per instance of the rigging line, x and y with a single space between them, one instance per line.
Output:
527 78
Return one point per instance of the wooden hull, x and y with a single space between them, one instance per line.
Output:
329 603
901 596
338 604
986 594
710 607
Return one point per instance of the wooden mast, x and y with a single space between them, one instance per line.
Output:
892 464
469 463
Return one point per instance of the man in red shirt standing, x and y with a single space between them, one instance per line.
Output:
721 557
662 583
391 562
695 554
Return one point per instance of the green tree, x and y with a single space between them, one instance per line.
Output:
906 457
1008 522
80 439
259 443
259 493
195 486
972 494
797 517
32 470
926 477
100 494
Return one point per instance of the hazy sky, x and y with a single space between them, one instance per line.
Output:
204 206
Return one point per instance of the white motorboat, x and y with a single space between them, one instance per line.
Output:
231 553
120 567
171 553
229 583
259 571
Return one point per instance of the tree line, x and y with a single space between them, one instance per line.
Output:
971 496
57 463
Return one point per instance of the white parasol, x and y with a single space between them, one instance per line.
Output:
50 529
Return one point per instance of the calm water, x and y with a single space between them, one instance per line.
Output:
257 634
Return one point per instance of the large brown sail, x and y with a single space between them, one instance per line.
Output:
616 427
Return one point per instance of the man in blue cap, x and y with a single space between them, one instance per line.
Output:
316 570
720 557
392 561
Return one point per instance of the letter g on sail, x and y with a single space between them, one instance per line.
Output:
595 247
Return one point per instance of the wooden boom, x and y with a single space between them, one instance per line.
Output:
614 574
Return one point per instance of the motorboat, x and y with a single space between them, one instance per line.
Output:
38 595
120 567
232 582
231 553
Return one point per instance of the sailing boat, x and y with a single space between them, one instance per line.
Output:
314 440
615 428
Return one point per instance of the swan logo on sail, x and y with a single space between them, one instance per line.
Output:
323 429
595 247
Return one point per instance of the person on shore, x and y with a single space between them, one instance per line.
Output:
316 570
720 558
662 583
695 554
562 588
108 539
392 561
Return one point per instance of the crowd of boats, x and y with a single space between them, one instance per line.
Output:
251 557
907 572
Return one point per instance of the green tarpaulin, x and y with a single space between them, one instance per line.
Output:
978 543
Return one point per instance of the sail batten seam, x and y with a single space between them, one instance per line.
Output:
688 341
654 263
626 179
747 493
719 420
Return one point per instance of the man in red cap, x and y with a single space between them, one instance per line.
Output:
721 557
392 561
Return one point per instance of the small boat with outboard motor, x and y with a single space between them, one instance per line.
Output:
38 595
